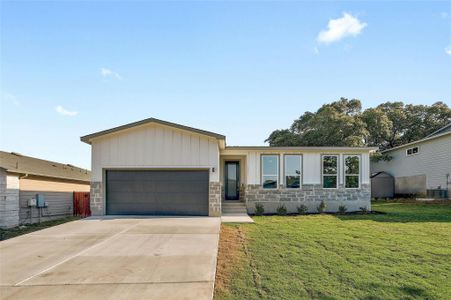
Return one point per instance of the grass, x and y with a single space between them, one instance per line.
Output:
402 254
24 229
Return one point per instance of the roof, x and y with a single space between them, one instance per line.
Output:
331 148
87 138
18 163
428 138
444 129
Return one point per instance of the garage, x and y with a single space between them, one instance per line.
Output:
157 192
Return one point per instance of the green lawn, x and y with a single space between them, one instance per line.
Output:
403 254
24 229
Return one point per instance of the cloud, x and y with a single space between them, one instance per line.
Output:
109 73
444 15
64 112
448 50
340 28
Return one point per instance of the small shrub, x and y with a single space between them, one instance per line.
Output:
321 207
282 210
364 209
302 209
259 209
342 209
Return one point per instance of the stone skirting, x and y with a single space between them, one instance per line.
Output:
310 195
96 200
9 200
214 199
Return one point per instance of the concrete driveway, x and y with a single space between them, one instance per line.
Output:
113 258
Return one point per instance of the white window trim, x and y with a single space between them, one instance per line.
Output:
301 177
408 155
336 174
344 171
275 175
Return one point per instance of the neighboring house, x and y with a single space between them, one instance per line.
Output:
23 177
157 167
422 166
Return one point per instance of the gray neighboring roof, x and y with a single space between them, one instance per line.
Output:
17 163
428 138
87 138
444 129
301 148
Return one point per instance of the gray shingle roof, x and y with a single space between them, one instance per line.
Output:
17 163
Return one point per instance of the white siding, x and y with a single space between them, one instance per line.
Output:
311 164
433 160
154 146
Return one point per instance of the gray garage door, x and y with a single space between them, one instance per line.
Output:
168 192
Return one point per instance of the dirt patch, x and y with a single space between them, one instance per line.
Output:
230 253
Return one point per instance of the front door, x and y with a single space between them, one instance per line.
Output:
232 180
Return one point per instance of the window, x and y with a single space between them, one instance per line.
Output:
352 171
270 171
292 171
330 171
412 151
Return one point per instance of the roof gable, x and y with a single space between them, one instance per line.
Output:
87 138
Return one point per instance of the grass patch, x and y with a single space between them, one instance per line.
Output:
404 253
24 229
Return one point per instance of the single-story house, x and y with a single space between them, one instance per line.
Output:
422 167
157 167
22 178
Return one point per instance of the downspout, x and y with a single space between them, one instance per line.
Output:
30 208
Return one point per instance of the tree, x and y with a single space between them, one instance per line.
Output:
314 129
342 123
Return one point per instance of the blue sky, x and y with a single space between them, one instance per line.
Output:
241 69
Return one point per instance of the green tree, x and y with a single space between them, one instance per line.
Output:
342 123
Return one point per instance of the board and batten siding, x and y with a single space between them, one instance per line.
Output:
433 160
311 165
154 146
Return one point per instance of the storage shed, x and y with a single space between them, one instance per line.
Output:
382 185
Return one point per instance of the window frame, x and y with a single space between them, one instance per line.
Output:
412 149
359 176
263 175
301 177
336 174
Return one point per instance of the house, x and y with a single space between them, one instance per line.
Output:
157 167
23 178
422 167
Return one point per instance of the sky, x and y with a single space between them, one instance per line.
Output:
242 69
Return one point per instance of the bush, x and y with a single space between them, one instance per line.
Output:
321 207
342 209
302 209
281 210
364 210
259 209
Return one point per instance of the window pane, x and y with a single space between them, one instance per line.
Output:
269 165
292 165
352 165
293 182
330 164
415 150
409 151
269 182
329 182
352 182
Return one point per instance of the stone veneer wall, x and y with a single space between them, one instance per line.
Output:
9 200
214 199
310 195
96 200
